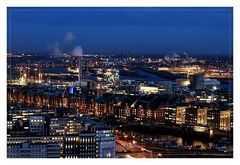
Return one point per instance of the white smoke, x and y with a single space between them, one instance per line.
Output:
77 51
69 37
56 49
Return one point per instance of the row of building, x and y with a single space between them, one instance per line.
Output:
65 139
170 110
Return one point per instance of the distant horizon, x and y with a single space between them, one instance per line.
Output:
181 54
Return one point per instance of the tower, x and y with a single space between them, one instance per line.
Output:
78 52
80 70
38 74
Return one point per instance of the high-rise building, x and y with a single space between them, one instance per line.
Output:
82 145
106 142
37 125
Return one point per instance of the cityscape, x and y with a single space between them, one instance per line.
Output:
72 101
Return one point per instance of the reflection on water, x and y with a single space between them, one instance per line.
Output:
148 76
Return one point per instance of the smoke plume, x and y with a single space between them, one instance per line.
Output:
69 37
56 49
77 51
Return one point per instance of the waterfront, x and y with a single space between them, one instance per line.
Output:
226 85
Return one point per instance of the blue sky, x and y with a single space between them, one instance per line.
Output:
204 31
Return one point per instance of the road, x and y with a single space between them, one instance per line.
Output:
130 149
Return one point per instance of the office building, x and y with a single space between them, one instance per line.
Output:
82 145
106 142
37 125
33 150
64 125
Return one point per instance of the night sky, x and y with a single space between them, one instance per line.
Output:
202 31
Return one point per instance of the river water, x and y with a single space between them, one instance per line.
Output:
147 76
227 86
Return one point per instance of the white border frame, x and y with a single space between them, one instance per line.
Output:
120 3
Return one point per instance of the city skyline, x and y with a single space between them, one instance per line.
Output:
201 31
82 101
